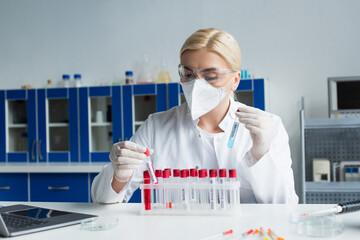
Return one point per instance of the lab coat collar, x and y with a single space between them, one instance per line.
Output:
230 116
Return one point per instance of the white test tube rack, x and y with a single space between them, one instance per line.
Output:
178 198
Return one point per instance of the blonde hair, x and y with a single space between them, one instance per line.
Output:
216 40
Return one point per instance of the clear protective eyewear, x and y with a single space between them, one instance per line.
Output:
211 75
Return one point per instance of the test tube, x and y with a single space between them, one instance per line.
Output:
167 191
159 190
175 193
204 200
147 195
183 191
193 190
222 193
150 167
233 199
213 195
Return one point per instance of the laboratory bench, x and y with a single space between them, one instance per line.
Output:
133 225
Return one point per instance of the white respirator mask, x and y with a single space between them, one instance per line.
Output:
202 97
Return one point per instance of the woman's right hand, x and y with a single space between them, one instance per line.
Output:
125 158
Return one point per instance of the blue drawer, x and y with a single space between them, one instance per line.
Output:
59 187
13 187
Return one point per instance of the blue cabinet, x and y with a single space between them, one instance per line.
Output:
13 187
139 101
39 125
100 121
58 119
59 187
17 114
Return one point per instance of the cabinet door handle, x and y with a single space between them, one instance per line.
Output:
5 188
58 188
32 150
39 150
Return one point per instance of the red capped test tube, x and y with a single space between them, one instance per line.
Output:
204 193
159 196
222 193
167 191
233 196
213 195
150 167
183 191
147 194
193 181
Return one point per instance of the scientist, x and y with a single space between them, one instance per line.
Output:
196 134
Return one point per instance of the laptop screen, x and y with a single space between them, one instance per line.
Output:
39 213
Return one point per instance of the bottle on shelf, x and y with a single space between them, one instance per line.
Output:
116 80
66 80
145 73
129 79
164 75
77 80
49 84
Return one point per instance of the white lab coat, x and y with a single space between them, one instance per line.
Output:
177 144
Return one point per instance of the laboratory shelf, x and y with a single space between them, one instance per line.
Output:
332 186
332 122
53 167
104 124
335 140
58 124
18 125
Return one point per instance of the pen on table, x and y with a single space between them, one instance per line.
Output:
244 235
219 235
274 236
254 235
263 235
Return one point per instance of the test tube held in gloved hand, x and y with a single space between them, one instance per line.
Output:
150 167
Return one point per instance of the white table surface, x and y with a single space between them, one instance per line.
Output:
132 225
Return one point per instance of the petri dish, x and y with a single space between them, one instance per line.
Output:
100 224
317 226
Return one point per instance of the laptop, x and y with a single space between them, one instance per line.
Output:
23 219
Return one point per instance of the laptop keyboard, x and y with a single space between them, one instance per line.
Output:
16 222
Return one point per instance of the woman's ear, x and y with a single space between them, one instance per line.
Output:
237 81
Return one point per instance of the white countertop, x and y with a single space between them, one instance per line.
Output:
63 167
132 225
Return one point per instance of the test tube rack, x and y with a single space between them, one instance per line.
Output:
190 198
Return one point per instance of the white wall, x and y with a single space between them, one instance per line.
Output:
295 44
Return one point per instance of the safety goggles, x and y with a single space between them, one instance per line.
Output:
211 75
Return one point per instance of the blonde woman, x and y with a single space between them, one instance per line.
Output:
195 134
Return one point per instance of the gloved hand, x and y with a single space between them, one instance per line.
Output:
261 127
125 158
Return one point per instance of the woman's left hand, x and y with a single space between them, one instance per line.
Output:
261 127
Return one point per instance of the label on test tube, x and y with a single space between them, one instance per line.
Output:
184 198
222 176
193 178
150 167
233 135
213 198
204 194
